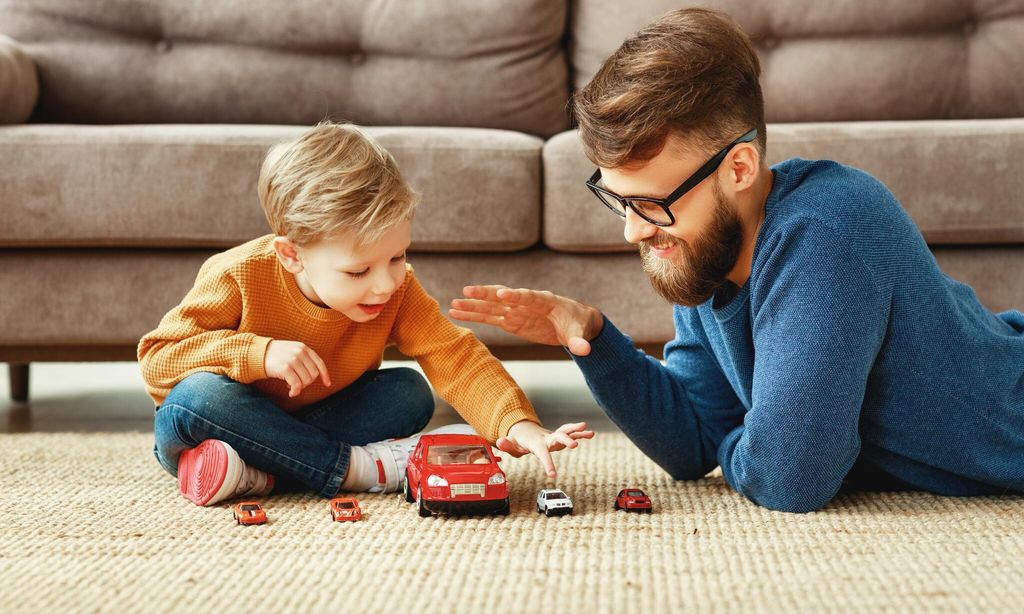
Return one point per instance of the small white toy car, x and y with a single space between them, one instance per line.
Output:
553 502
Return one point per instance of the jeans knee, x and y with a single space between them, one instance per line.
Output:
204 392
418 397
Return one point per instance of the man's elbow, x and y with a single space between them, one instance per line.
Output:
789 500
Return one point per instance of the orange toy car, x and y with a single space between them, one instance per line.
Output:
250 512
345 508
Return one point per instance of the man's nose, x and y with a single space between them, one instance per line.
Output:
637 228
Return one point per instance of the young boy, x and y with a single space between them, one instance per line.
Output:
267 374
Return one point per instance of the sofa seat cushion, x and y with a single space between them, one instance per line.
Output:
478 63
195 185
119 295
957 179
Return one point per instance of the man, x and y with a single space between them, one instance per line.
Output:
817 341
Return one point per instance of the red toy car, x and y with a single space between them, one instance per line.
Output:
633 500
455 474
249 512
345 508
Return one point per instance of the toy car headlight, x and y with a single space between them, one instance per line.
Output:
497 478
436 480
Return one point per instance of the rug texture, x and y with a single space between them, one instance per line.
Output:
90 522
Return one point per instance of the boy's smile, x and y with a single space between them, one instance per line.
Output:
340 274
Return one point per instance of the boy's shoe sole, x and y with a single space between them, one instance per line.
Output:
208 472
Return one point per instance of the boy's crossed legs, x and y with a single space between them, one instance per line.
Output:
319 447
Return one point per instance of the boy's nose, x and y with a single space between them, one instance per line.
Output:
637 228
383 284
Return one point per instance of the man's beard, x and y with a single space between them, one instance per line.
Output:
692 274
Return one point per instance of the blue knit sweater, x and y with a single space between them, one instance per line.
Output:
847 358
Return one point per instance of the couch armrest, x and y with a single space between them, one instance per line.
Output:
19 84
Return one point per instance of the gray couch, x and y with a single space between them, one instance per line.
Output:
132 133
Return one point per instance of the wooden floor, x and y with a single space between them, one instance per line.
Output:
109 397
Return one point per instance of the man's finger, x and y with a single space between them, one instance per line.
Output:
579 346
472 316
486 307
486 293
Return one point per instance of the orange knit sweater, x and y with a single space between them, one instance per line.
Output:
243 299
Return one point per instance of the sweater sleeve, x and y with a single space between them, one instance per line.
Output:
461 369
678 412
201 334
818 323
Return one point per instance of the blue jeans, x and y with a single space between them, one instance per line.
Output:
307 449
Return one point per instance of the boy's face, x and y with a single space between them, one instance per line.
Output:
357 280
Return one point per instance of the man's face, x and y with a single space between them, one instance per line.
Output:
357 280
688 261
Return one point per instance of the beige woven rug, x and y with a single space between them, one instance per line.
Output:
90 522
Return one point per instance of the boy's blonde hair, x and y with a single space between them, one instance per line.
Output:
332 180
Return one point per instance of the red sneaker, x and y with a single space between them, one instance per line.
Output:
212 472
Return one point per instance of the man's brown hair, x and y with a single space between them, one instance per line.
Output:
693 73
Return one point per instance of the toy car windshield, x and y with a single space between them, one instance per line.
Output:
249 508
458 455
346 505
635 493
555 495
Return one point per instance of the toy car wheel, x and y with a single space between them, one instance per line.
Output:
424 512
406 491
505 507
539 510
617 508
547 513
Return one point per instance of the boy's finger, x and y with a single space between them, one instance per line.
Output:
510 446
545 458
582 435
321 367
294 385
564 439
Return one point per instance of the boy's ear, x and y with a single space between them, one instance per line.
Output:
288 255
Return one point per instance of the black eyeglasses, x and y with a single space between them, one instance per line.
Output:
656 210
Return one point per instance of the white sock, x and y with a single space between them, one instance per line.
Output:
380 467
362 471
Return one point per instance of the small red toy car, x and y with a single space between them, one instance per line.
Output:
249 512
633 500
455 474
345 508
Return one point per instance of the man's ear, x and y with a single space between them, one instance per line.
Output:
288 255
743 165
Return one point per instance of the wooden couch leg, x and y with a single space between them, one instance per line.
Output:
19 381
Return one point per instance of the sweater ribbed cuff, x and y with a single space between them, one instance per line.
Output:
255 368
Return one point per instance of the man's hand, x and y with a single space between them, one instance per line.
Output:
527 437
533 315
295 363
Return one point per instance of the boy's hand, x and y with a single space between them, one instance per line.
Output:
534 315
527 437
295 363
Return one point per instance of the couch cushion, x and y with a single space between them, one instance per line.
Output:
120 295
957 179
190 185
482 63
873 60
19 86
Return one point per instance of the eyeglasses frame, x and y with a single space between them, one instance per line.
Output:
688 184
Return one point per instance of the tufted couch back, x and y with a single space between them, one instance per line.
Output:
495 63
851 60
479 63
